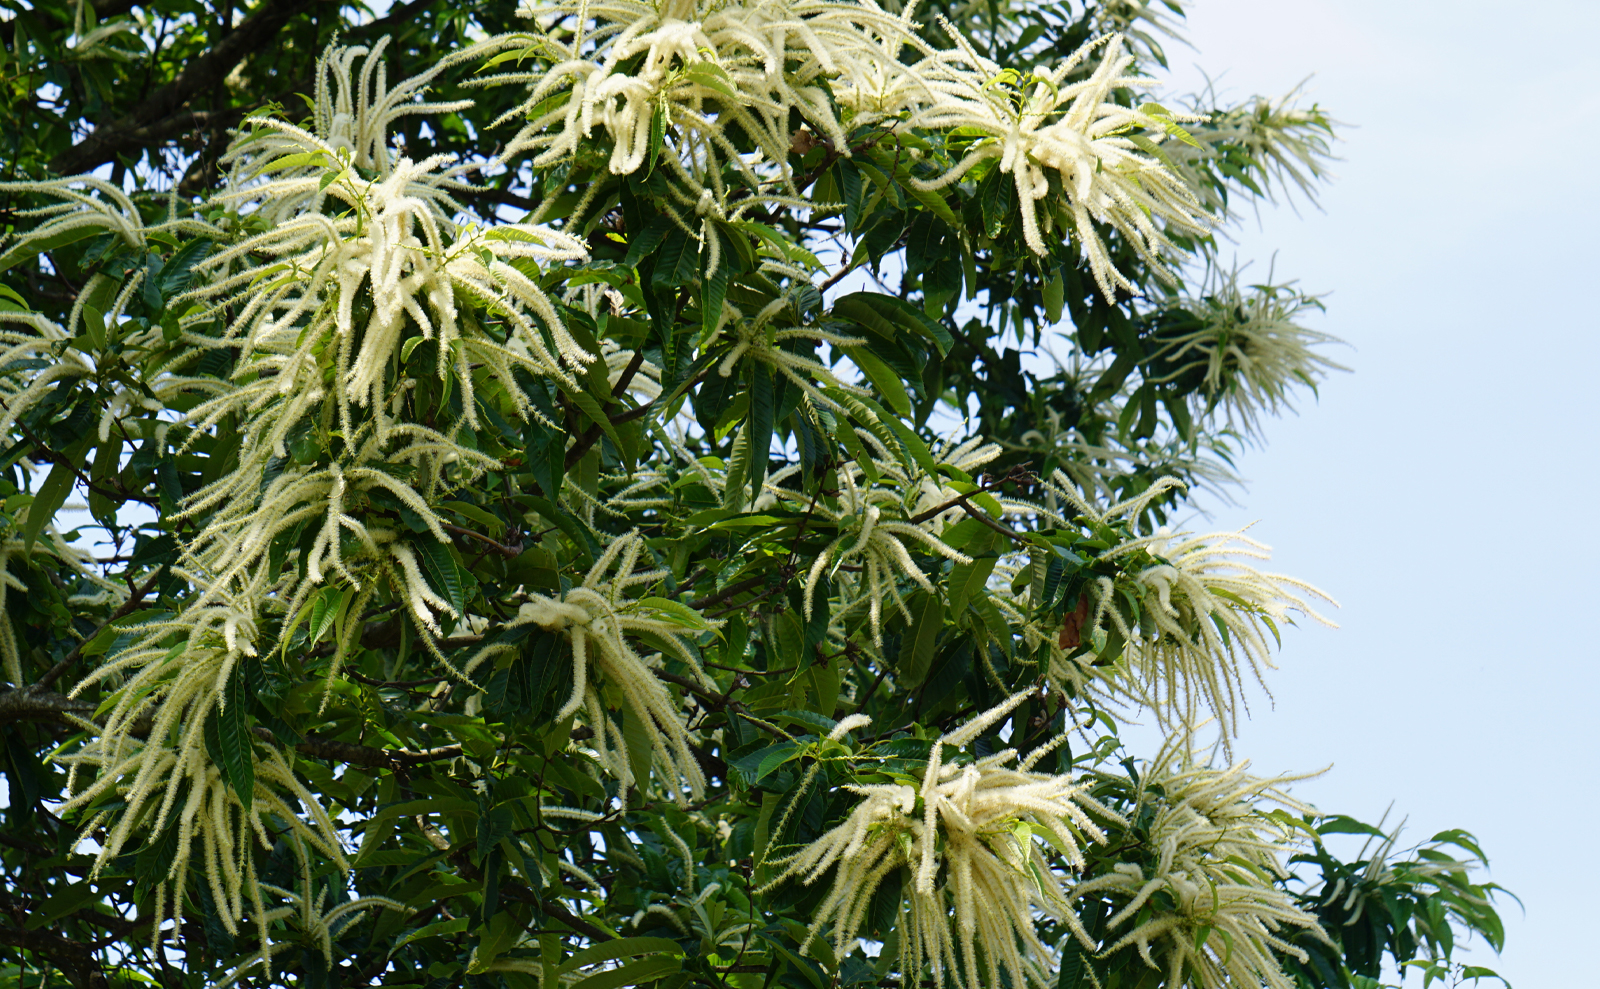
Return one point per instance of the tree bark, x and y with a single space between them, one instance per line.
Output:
150 117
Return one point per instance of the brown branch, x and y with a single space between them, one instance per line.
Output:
591 435
75 959
732 590
195 79
365 755
1018 474
716 702
34 704
983 517
508 552
834 279
556 911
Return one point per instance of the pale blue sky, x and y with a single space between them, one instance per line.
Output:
1444 491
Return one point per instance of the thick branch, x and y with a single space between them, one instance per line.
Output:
199 77
74 958
367 755
732 590
34 704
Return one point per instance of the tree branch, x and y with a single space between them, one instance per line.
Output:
105 142
509 552
365 755
732 590
591 435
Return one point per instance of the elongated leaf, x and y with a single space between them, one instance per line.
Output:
473 513
632 974
597 415
642 244
888 317
885 380
915 448
763 408
714 288
997 192
850 187
676 612
758 765
575 530
52 494
440 569
712 77
9 299
179 272
40 245
627 947
966 579
678 259
917 648
233 738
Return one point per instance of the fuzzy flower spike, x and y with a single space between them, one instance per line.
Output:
1219 859
596 617
1044 124
974 823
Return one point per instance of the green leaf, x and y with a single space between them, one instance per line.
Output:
712 77
179 272
233 738
439 566
997 193
475 514
325 611
714 288
632 974
647 239
658 136
848 436
94 327
902 175
914 447
1054 289
304 159
967 579
888 316
453 926
756 766
33 247
627 947
920 642
675 612
678 260
885 380
850 188
597 415
52 494
763 409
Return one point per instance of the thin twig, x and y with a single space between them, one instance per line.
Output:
509 552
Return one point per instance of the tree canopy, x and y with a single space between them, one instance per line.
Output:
604 493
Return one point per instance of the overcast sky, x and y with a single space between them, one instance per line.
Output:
1444 491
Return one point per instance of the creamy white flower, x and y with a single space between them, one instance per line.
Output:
1219 859
977 829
